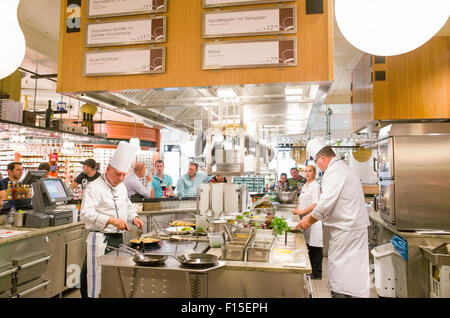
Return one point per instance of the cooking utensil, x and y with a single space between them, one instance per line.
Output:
143 259
138 244
286 197
210 213
197 260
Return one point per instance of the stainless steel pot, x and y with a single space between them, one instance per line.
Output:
19 219
286 197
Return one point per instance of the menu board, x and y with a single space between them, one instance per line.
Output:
224 3
126 32
124 61
111 8
276 20
249 54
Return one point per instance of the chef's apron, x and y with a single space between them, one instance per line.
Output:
96 244
314 234
348 262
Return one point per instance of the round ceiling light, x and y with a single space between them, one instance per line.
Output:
390 27
11 35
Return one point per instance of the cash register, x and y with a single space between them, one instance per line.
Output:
49 196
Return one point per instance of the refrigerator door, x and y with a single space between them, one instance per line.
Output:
422 182
386 159
386 200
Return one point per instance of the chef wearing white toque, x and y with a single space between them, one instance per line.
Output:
106 210
342 208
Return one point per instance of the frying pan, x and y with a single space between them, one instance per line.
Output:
144 259
193 260
141 244
197 260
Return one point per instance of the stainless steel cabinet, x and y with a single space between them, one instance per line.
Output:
55 269
75 251
36 266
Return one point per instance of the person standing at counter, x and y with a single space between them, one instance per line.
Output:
88 174
106 210
297 181
15 171
134 185
188 184
283 184
314 235
45 166
160 181
342 208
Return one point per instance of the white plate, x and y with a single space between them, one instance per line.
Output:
177 230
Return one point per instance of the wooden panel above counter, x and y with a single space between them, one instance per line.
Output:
414 85
184 53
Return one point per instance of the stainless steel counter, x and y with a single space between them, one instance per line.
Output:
35 232
121 278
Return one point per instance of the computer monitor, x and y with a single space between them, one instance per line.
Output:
55 190
33 176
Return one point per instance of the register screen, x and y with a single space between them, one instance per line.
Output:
55 188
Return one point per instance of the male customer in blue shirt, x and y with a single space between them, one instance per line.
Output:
189 183
160 180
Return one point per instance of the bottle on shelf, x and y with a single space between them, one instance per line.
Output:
9 191
48 115
13 192
84 123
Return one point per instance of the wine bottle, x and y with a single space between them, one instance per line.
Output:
84 120
48 115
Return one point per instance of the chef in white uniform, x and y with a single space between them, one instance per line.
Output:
342 208
106 210
309 197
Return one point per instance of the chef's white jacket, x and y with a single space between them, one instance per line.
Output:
342 203
310 194
342 208
100 200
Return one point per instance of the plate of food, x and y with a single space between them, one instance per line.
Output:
181 223
180 230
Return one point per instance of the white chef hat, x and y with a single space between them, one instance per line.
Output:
315 145
123 156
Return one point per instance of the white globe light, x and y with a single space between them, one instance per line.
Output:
390 27
136 142
13 46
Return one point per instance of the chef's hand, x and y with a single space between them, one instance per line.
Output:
138 222
149 177
118 223
296 211
307 221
